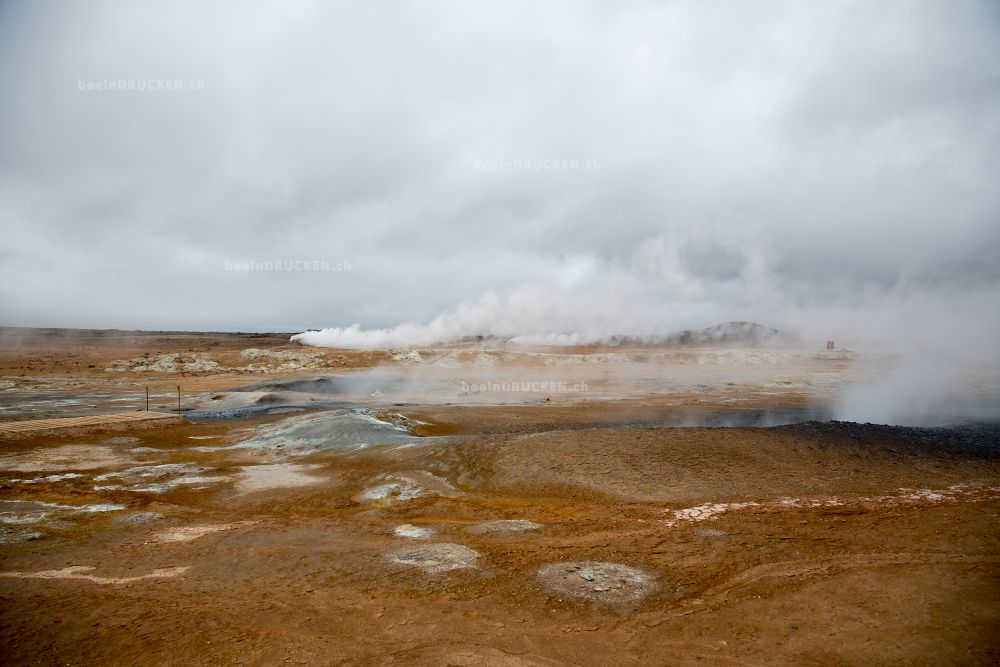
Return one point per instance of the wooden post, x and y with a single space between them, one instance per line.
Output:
147 398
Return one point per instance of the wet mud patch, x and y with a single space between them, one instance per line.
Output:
504 526
413 532
252 479
188 533
434 558
404 486
142 518
602 583
391 492
66 457
13 535
709 533
122 441
29 512
158 478
328 431
48 479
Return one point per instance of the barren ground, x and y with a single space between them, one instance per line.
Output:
417 524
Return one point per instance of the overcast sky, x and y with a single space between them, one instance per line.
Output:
822 166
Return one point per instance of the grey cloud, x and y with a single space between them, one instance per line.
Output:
793 162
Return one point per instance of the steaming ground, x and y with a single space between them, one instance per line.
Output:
378 511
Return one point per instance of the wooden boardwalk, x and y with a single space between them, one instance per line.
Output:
28 426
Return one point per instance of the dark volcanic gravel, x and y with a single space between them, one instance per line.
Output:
980 439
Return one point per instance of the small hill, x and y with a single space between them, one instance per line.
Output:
732 333
727 334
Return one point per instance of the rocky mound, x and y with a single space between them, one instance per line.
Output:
611 584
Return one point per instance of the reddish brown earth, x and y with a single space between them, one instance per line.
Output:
795 545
